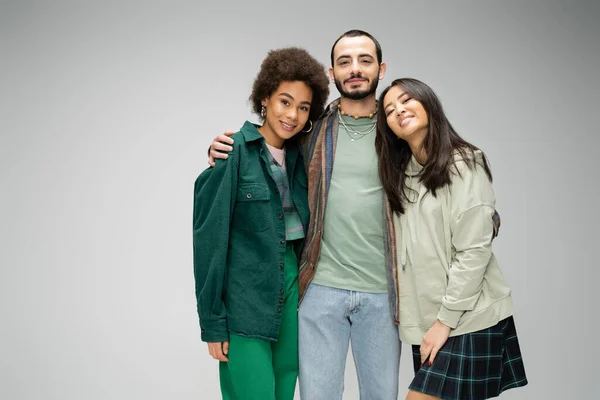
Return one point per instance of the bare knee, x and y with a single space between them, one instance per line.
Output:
412 395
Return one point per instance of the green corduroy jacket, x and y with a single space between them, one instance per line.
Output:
239 239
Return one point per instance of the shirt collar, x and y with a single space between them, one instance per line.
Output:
250 132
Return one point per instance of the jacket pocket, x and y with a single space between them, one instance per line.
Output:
253 208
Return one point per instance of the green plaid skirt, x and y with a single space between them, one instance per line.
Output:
476 365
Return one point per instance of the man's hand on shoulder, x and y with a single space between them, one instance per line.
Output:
219 147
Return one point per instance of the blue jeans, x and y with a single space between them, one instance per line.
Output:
329 319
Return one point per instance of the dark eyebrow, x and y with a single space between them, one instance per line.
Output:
359 56
289 96
390 103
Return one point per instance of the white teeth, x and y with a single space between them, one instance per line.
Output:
403 120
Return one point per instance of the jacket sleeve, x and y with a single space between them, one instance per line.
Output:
214 199
471 210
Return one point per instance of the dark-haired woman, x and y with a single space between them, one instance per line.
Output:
455 307
250 215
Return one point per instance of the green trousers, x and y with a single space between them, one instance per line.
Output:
260 369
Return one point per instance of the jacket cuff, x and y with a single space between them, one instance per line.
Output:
214 330
449 317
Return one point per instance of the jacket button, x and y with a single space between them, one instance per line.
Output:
281 265
281 291
202 331
280 216
279 309
249 195
280 301
282 241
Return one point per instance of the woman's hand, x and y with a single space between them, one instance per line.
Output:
219 350
433 341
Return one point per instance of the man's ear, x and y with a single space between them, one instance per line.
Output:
382 68
331 74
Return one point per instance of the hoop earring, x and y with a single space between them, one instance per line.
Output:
263 112
309 129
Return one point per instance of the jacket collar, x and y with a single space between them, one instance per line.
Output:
250 132
330 109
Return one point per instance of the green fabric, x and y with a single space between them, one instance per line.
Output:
240 240
352 254
293 224
264 370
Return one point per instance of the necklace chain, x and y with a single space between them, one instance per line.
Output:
353 133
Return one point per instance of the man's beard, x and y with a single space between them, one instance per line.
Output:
358 94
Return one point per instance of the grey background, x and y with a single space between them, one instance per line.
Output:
106 111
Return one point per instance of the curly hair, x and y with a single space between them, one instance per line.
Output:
291 64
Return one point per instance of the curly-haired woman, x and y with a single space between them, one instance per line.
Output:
250 215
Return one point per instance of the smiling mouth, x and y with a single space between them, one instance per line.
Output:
288 127
405 120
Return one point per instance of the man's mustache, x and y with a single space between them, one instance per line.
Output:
356 77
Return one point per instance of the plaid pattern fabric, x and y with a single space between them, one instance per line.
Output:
293 224
477 365
318 149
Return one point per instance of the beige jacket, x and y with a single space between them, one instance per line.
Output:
446 268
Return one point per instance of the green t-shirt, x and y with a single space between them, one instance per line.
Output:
352 254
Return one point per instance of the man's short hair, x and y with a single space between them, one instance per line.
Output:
356 33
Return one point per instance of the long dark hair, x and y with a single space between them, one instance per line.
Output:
441 144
